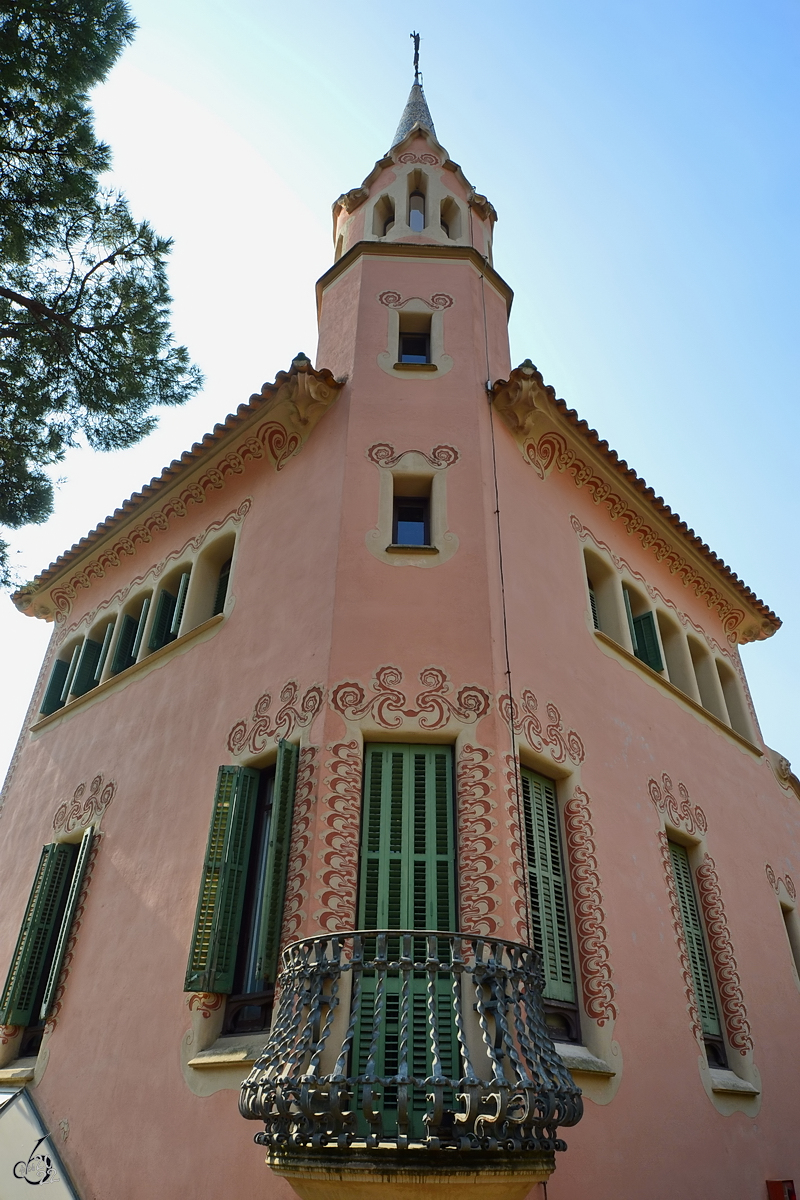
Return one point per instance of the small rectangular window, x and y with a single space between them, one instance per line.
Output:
411 521
415 348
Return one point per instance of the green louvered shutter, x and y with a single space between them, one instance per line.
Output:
407 881
123 657
52 697
212 958
280 834
33 952
165 611
408 848
695 942
73 896
593 602
180 602
547 884
87 665
646 641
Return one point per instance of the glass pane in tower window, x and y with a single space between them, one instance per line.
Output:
416 212
411 522
414 348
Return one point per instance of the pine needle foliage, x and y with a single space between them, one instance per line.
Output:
86 351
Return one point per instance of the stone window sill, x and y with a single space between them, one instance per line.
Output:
108 684
20 1072
398 366
231 1052
577 1059
396 548
726 1081
676 692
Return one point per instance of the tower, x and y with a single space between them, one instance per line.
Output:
403 684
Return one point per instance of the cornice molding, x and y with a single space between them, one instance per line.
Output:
288 411
546 431
413 250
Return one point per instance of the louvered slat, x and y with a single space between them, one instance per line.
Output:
52 696
695 941
81 863
33 952
647 647
547 886
165 610
123 651
218 918
280 833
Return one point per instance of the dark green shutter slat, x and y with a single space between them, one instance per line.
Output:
695 942
629 615
408 846
547 886
32 954
593 602
165 609
123 651
180 603
280 834
101 662
73 897
87 665
218 918
647 648
52 697
407 881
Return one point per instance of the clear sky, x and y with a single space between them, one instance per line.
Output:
643 159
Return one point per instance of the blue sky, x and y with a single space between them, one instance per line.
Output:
643 159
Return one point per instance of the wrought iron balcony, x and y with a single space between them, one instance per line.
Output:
410 1042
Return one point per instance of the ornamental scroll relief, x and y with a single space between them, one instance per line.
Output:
683 815
529 408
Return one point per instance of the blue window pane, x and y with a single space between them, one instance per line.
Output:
410 533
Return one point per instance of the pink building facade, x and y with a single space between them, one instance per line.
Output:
402 646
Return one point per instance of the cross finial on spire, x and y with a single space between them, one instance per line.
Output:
415 39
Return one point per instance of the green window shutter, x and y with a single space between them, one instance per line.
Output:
87 665
104 650
123 652
81 862
695 942
629 615
408 845
165 610
547 884
32 955
593 602
280 835
222 587
212 958
647 648
52 697
175 624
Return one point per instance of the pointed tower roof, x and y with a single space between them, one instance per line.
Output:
416 112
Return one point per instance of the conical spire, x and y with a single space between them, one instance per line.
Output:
416 112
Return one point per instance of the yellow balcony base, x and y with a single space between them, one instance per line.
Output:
417 1174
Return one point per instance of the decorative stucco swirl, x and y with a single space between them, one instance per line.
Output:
434 706
478 881
523 716
340 819
734 1012
680 813
290 716
383 454
776 881
78 813
680 936
591 937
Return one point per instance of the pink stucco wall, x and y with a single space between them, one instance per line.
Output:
313 605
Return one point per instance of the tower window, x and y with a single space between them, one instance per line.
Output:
383 216
415 338
416 212
450 217
411 521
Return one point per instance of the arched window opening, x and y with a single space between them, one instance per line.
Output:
450 218
383 216
416 212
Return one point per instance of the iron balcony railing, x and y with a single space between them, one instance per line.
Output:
410 1040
